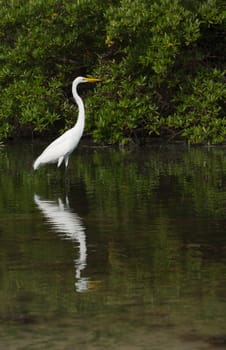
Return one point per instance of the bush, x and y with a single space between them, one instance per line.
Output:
162 64
43 46
164 72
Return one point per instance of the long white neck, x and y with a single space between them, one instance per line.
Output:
80 123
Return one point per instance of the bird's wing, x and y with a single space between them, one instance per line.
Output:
59 141
57 149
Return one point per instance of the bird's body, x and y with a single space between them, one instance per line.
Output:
61 148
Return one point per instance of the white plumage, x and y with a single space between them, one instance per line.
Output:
61 148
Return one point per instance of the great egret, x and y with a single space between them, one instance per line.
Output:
61 148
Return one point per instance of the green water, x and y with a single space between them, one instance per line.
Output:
126 250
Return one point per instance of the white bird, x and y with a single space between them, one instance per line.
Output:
61 148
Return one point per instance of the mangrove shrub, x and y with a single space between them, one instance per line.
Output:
162 64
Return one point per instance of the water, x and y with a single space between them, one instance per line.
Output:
126 251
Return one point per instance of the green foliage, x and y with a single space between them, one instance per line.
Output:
42 50
162 65
126 111
167 69
200 113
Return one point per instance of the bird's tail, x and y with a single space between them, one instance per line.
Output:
36 164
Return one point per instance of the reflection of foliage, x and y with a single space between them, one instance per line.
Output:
146 181
155 218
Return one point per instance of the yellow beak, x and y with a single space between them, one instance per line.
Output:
92 80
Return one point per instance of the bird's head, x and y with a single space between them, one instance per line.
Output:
79 80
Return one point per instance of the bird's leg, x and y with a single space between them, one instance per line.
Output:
67 177
60 160
66 159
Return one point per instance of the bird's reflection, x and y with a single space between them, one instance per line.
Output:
70 226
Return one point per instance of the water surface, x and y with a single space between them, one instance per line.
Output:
125 250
